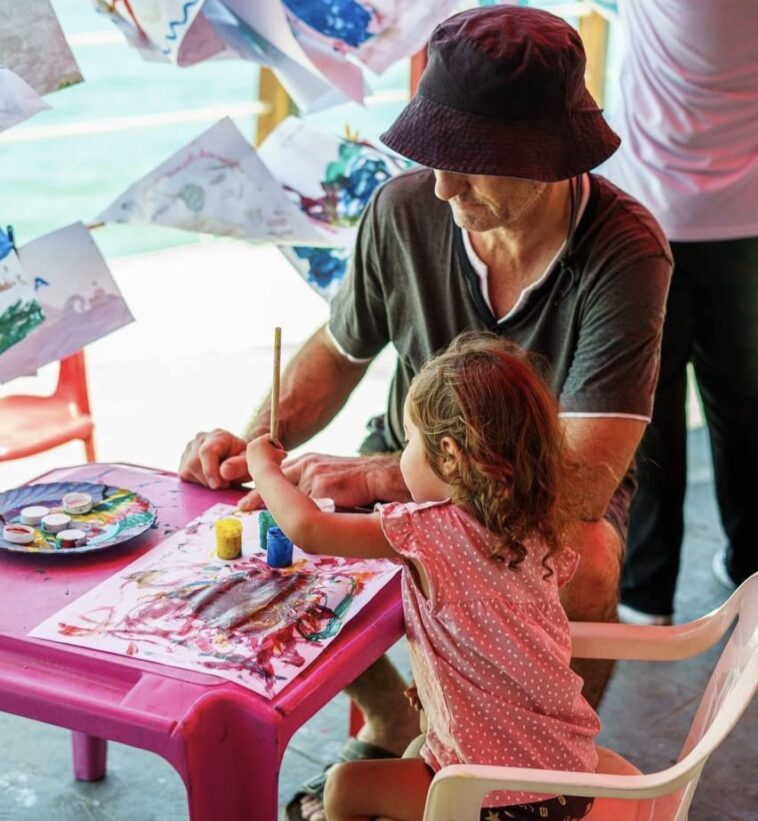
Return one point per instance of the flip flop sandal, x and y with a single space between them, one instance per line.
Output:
352 750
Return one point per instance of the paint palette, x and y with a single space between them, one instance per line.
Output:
117 515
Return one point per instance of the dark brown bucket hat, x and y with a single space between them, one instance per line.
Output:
503 94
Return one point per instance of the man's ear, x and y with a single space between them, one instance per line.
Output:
452 452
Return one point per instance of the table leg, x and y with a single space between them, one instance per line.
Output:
90 755
231 763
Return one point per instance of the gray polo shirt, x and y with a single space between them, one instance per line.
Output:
595 321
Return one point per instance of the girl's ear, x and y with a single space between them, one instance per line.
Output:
452 452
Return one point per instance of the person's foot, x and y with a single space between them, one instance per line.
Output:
630 615
721 570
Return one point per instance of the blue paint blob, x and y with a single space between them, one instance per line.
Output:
344 20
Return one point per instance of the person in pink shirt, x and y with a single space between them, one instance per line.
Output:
483 552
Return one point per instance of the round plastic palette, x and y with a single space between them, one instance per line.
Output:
117 515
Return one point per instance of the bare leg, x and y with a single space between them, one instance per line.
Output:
592 595
391 722
389 789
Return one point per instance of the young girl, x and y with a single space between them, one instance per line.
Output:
482 563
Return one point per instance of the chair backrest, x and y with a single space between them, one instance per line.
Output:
457 791
72 381
730 689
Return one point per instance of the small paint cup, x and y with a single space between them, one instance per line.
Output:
33 514
72 537
228 538
77 503
265 523
55 522
18 534
278 548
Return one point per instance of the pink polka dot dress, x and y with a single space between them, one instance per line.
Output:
489 648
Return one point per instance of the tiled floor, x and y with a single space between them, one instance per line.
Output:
197 358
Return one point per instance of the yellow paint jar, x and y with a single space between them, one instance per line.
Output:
228 538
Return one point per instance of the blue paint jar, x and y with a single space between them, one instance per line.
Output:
278 548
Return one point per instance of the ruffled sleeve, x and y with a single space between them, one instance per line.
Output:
397 525
565 564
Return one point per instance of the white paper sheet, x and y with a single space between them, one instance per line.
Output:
18 100
332 180
271 22
180 605
79 297
33 46
375 32
330 177
217 185
20 312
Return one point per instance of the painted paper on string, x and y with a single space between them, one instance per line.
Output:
33 46
78 295
375 32
18 100
20 312
217 185
331 179
242 620
171 30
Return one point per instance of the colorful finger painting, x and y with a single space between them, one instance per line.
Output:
79 297
375 32
20 312
241 620
117 515
331 179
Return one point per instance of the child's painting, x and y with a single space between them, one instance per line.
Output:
331 179
272 23
242 620
216 185
20 313
185 33
375 32
79 297
322 268
176 31
18 100
33 46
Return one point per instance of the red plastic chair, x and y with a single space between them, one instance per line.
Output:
32 424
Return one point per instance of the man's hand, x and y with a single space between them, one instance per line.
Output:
349 480
215 459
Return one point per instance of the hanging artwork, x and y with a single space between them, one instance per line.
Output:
242 620
20 313
80 300
172 30
217 185
322 268
375 32
314 46
33 46
18 100
331 179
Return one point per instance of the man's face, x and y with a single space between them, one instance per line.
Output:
482 203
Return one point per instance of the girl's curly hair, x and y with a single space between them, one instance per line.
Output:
513 468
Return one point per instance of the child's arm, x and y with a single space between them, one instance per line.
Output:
357 535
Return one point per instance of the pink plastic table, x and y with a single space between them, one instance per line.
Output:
225 741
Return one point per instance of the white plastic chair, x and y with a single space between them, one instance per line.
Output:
622 792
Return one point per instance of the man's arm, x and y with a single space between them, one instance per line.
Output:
315 385
603 448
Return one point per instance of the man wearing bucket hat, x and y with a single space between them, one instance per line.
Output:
503 228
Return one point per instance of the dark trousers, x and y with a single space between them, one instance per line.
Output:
711 321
